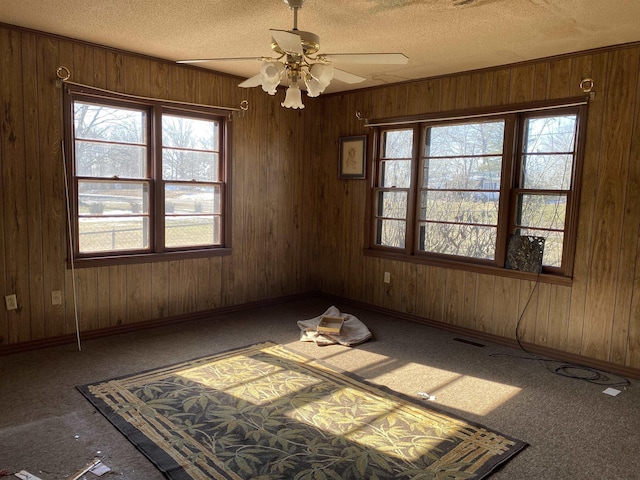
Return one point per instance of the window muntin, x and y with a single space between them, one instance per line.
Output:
394 179
111 146
190 149
546 171
461 178
141 188
478 180
192 188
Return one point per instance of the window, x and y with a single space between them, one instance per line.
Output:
147 178
454 190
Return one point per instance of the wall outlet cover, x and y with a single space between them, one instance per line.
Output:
11 301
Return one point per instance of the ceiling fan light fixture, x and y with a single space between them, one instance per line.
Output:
323 73
314 88
318 78
298 57
271 75
293 98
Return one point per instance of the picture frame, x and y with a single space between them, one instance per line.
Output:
352 157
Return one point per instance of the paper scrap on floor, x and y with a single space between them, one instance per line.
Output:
611 391
100 470
24 475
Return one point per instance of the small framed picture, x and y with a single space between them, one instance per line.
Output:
353 154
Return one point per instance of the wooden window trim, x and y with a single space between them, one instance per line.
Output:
554 275
154 108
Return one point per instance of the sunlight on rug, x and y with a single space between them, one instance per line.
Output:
267 412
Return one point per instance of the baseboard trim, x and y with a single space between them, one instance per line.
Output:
133 327
560 355
551 353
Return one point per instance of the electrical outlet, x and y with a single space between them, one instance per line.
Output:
387 277
56 297
11 301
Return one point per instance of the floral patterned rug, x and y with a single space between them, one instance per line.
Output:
266 412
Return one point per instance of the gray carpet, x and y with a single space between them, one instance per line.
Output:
575 431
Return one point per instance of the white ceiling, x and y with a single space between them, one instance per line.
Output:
438 36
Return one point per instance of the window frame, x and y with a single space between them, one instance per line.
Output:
155 109
514 117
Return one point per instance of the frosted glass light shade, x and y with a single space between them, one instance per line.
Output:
320 77
313 87
322 73
271 74
293 98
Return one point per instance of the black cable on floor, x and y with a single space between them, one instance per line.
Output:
569 370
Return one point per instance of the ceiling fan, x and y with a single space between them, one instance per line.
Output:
299 60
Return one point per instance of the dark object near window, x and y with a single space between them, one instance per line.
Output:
525 253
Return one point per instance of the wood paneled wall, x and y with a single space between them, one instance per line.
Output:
598 316
269 225
296 227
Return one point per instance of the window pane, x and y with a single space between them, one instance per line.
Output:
105 234
185 231
542 211
110 159
482 173
462 240
112 198
550 134
459 207
190 149
190 133
547 172
392 204
553 245
397 144
109 124
485 138
390 233
395 173
189 165
183 199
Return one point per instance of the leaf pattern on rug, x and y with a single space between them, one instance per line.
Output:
265 412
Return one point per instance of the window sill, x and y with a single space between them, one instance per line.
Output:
470 267
105 261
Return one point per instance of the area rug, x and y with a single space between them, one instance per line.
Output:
267 412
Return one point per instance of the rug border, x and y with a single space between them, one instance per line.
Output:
152 452
177 472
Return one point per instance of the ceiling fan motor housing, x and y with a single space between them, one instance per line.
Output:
310 42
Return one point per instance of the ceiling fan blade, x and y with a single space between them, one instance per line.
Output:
347 77
203 60
254 81
374 58
287 41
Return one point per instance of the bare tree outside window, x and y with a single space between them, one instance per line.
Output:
546 173
191 170
395 179
461 189
111 169
451 192
115 181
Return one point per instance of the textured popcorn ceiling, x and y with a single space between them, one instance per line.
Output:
438 36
